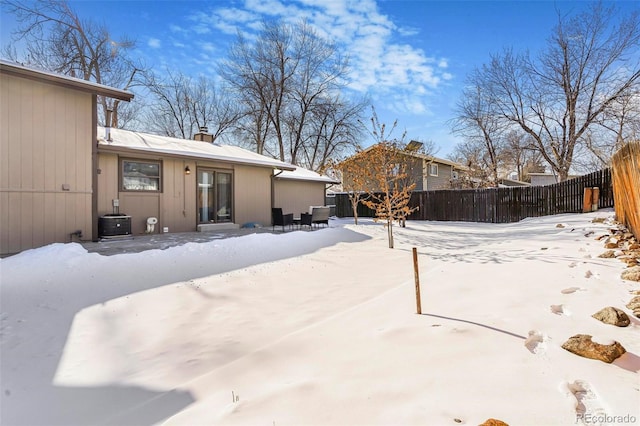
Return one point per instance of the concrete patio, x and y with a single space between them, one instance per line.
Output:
143 242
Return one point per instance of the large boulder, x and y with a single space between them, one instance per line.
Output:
613 316
582 345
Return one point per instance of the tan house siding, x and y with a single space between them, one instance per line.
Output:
107 182
178 201
45 169
174 207
296 196
252 195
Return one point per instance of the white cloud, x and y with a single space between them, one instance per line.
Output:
380 64
408 32
176 29
154 43
274 8
208 47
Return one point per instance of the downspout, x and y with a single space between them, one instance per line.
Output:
94 168
273 186
326 188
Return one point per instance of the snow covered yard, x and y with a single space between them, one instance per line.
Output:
320 328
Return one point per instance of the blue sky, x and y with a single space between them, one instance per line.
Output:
411 57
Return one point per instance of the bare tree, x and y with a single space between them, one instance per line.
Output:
477 121
288 82
333 131
183 105
473 154
170 113
521 155
557 97
58 40
617 126
244 73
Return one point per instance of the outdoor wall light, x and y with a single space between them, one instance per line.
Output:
187 170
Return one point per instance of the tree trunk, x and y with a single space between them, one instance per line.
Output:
390 232
354 207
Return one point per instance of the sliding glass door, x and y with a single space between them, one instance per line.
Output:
214 196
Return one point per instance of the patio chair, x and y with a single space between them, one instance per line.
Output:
320 215
306 219
280 219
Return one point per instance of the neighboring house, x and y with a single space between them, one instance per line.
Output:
61 174
541 179
437 173
48 182
426 171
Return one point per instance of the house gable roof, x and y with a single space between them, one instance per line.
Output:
135 142
10 68
429 158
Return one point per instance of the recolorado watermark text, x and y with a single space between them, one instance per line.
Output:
597 419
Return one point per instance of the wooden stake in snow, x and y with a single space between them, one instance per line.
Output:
417 279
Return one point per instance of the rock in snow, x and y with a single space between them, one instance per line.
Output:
631 274
582 345
634 305
494 422
613 316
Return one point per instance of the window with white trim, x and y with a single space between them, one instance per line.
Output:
140 175
433 169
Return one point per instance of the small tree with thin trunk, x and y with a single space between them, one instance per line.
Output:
354 181
388 178
393 191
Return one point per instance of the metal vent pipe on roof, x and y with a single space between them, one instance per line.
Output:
107 124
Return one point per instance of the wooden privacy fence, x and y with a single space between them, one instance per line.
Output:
498 205
626 186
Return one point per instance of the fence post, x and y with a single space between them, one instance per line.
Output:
595 198
587 200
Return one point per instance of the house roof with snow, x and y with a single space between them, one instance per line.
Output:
304 174
540 179
505 183
12 68
129 141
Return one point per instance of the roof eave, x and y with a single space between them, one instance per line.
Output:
327 181
422 156
64 81
104 147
